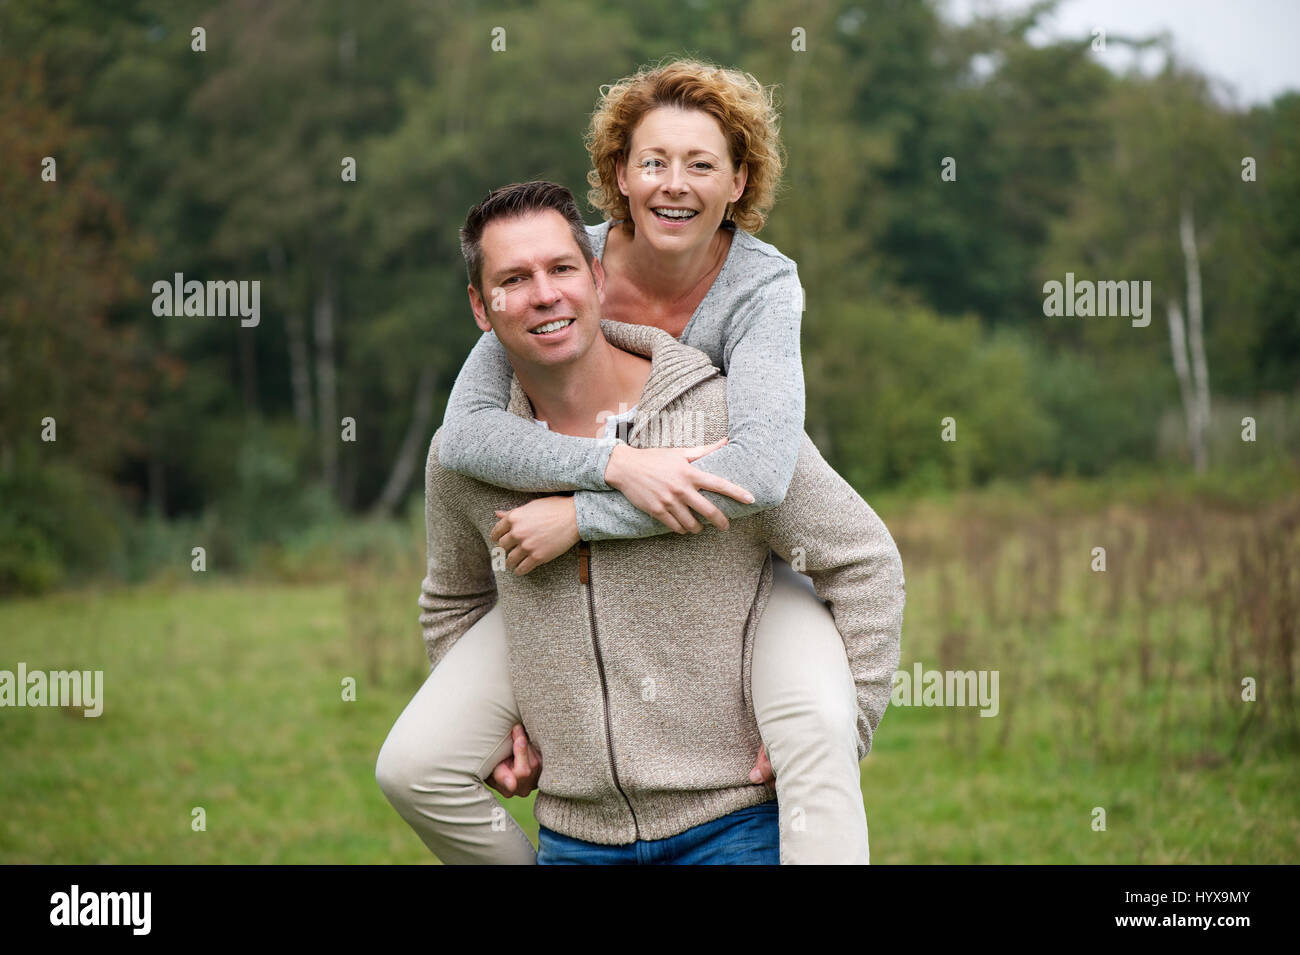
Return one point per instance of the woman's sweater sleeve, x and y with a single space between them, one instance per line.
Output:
765 415
483 440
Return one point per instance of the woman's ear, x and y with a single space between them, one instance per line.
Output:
598 279
620 174
738 182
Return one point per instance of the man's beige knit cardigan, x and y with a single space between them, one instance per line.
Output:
630 659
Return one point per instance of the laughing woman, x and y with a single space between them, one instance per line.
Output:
686 161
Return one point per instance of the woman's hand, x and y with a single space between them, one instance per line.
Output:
662 483
537 532
517 776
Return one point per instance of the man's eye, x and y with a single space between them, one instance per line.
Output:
513 278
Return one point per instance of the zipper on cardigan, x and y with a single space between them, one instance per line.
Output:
584 576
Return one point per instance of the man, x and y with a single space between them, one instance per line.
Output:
629 658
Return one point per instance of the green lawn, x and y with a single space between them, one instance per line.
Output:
226 695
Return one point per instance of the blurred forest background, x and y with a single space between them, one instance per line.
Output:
924 300
924 296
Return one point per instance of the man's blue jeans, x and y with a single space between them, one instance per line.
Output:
749 836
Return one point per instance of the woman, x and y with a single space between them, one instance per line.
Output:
686 161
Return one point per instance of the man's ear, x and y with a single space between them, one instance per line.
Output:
480 312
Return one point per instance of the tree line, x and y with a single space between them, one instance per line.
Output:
938 176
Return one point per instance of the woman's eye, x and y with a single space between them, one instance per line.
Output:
704 165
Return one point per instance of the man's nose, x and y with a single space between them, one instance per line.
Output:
545 292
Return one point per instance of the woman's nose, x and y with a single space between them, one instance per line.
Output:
676 180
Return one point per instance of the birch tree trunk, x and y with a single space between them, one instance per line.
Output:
248 369
325 383
299 376
296 330
157 485
1178 345
414 442
1195 341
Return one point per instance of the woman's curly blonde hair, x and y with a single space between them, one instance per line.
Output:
742 106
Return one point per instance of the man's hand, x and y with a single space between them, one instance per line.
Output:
662 483
762 771
517 775
537 532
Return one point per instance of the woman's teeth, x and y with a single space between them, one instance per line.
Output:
551 326
675 213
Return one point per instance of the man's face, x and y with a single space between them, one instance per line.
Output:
541 299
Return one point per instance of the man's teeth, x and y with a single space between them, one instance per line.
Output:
676 213
551 326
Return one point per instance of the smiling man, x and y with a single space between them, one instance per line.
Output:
629 659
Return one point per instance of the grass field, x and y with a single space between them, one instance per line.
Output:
1119 690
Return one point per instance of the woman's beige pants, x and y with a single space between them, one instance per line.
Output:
458 725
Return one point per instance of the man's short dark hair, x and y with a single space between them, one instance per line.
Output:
510 202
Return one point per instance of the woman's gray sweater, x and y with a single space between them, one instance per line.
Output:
748 325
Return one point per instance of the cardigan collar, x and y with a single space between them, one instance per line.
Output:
675 368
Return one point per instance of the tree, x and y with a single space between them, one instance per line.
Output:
1149 208
65 252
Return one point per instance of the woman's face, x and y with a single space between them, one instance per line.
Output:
678 178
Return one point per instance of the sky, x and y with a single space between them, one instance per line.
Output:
1251 46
